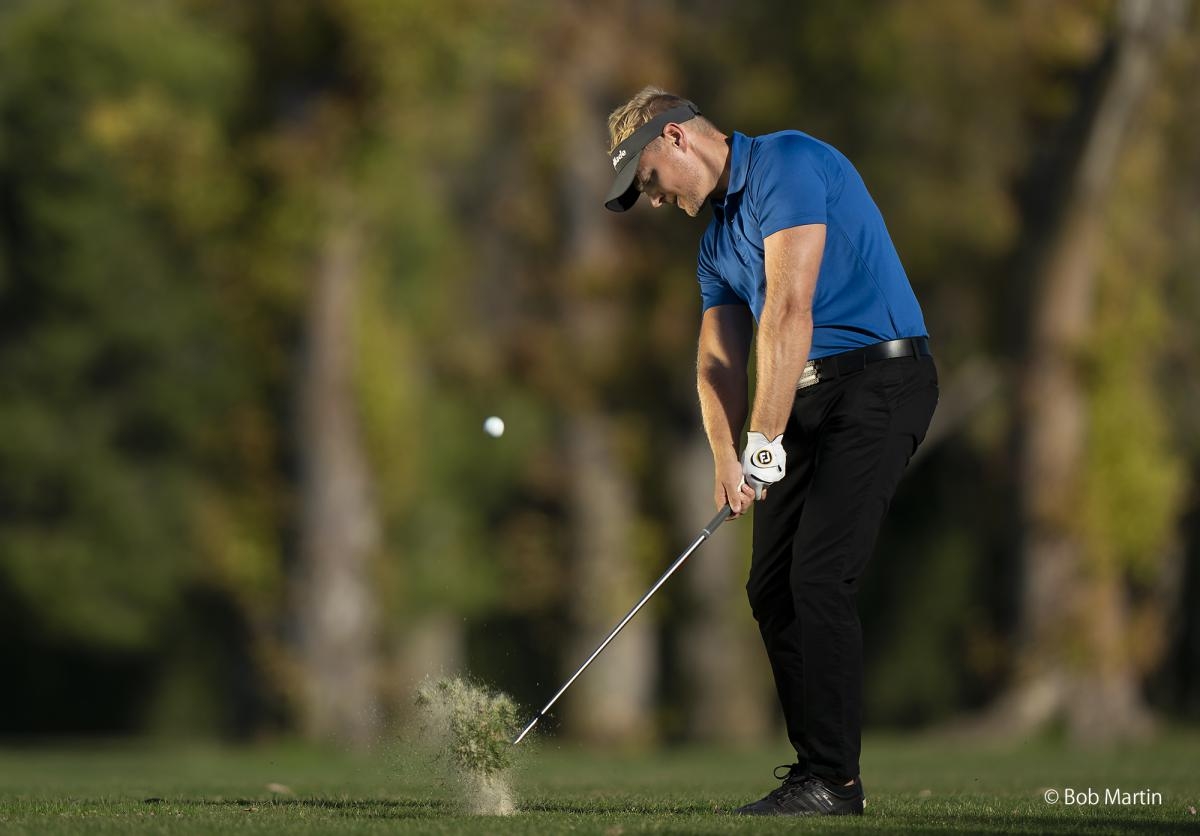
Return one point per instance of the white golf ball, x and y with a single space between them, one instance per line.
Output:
494 426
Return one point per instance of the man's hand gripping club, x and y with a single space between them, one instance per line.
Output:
764 462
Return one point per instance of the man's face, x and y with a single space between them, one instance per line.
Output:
668 174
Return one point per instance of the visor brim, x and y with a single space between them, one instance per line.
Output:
623 193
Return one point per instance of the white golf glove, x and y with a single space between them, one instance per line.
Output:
763 462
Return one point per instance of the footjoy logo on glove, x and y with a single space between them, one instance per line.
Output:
763 458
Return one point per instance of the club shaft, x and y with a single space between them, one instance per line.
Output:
716 521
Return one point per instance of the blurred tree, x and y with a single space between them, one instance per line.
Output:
437 329
613 703
726 676
338 525
124 415
1100 488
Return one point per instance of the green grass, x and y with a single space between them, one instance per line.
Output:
912 783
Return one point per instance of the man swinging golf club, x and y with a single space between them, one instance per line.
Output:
845 391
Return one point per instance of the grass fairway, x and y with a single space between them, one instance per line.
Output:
913 784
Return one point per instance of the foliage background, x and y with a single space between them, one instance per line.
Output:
182 180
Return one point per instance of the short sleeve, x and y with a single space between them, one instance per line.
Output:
714 290
788 181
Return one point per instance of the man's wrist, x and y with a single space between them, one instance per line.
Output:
724 452
766 428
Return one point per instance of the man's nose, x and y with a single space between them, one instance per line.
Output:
656 201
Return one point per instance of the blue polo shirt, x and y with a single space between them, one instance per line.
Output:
789 179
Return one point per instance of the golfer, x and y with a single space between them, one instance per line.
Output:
845 389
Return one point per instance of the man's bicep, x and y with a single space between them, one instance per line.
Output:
792 259
726 332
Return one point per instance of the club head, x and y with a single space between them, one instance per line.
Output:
527 729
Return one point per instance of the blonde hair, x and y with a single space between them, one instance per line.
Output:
644 106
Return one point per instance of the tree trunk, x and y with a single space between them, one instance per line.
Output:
730 696
338 530
1072 660
612 702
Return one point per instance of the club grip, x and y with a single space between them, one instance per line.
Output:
716 521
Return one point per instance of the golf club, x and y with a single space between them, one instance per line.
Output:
716 521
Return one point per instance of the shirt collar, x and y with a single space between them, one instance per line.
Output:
739 156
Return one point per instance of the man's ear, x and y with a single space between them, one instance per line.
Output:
675 136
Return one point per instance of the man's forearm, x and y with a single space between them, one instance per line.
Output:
723 406
784 340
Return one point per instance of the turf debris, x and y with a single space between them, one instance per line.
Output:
472 727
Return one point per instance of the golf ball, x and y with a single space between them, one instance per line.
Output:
494 426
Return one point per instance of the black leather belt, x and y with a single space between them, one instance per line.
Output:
849 362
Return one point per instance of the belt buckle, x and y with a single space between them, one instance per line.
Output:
808 377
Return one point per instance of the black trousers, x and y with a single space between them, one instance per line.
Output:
848 441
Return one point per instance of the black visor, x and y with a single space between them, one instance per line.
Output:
625 156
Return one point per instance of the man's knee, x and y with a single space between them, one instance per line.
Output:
831 601
771 603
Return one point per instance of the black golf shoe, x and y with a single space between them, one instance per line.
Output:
802 794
